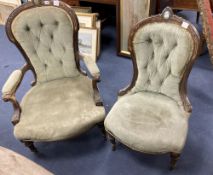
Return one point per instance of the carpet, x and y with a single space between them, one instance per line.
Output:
89 154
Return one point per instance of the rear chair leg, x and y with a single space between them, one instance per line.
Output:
30 145
101 127
174 158
113 142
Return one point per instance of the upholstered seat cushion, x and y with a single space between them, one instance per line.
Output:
148 122
58 110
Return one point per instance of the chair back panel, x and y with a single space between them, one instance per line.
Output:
46 35
162 51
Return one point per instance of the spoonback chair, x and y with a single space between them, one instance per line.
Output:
63 101
151 114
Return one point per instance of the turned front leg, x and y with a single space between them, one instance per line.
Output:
174 158
30 145
101 127
113 142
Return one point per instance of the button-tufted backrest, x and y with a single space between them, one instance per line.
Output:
162 51
45 33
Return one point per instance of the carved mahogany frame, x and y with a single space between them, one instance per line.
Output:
29 66
207 22
173 19
196 38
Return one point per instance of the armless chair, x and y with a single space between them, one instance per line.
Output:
151 115
63 102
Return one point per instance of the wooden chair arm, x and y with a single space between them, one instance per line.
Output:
16 107
96 95
91 66
9 90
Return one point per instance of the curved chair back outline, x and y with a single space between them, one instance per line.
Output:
40 3
177 21
13 82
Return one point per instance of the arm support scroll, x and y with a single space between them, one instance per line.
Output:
95 73
9 90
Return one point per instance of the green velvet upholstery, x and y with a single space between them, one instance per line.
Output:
61 104
58 109
148 122
45 33
162 51
150 118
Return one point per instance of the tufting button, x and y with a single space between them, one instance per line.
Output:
61 62
149 40
41 24
50 50
56 23
45 65
148 81
167 56
27 28
51 36
175 45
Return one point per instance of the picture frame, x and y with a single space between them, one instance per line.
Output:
72 2
87 42
128 14
6 8
98 26
80 9
206 8
87 20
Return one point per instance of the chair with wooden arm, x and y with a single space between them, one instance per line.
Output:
63 102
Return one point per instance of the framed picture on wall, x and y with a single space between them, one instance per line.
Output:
130 12
98 26
6 7
87 42
79 9
72 2
87 19
206 8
